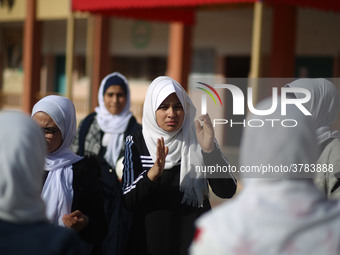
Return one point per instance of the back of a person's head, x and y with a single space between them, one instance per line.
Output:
278 139
280 211
324 104
22 157
25 229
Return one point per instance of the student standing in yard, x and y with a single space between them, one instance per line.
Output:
160 185
71 191
102 134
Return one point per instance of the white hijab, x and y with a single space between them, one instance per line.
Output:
22 157
279 215
57 191
324 105
114 126
182 144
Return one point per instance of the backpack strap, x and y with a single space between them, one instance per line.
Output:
84 129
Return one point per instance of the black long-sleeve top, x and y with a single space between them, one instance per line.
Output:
88 198
161 223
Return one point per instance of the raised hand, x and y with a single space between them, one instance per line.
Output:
205 134
157 169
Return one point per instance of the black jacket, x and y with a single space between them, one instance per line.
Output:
161 223
88 198
88 142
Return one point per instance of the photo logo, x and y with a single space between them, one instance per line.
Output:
204 98
239 99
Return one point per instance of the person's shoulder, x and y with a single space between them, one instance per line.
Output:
137 139
88 164
133 126
88 120
335 142
55 230
333 146
136 136
47 239
90 115
64 240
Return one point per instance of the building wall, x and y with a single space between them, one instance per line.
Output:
318 33
14 13
219 36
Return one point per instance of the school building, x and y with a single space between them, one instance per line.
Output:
66 47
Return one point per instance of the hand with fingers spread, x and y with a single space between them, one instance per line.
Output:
157 169
75 220
205 134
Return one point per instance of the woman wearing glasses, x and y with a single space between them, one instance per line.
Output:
71 190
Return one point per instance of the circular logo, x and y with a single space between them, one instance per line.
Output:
141 34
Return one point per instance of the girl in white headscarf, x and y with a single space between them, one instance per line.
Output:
160 182
102 134
71 190
275 213
22 212
324 106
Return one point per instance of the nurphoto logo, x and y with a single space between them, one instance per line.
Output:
238 106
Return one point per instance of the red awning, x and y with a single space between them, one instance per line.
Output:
159 10
185 15
101 5
178 10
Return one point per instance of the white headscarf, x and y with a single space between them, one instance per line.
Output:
275 216
182 144
57 191
22 157
324 105
114 126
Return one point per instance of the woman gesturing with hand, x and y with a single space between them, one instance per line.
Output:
157 169
160 183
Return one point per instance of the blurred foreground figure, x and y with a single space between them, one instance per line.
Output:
24 228
275 213
324 106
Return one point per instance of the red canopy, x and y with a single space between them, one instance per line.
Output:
160 10
178 10
101 5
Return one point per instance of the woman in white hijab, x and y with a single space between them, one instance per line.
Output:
278 212
102 134
324 106
71 191
24 228
160 182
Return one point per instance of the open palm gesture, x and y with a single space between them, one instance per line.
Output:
205 134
